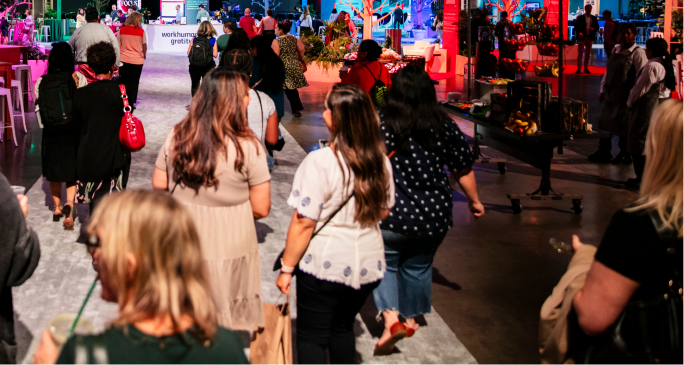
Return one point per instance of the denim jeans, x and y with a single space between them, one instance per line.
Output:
407 285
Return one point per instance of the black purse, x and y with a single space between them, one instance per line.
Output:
647 331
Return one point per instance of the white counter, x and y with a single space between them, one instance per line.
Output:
172 38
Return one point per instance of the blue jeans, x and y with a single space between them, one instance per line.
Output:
407 285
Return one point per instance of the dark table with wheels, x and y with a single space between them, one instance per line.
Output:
536 150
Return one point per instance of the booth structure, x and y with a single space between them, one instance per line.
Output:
168 9
172 38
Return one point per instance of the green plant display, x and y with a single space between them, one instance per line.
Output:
50 13
677 25
388 43
326 56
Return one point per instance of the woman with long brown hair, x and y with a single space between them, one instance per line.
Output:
215 164
149 261
342 191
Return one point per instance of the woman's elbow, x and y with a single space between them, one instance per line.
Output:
589 320
261 211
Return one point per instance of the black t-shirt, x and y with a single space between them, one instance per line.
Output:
631 246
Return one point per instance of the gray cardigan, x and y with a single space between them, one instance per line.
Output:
19 256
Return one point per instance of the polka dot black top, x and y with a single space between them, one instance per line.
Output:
423 200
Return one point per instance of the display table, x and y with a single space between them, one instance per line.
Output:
173 38
536 150
530 53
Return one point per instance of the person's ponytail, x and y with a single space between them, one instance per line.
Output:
659 48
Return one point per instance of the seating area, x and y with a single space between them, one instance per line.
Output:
435 56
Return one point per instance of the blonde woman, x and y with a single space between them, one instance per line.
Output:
133 45
632 261
199 55
147 251
216 165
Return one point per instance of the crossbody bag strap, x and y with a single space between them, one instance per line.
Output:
371 72
261 107
175 186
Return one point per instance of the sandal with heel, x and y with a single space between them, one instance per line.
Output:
397 331
69 220
57 216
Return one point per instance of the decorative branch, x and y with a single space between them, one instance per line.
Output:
266 4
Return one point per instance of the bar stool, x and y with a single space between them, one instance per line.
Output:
45 32
7 94
21 70
16 85
641 35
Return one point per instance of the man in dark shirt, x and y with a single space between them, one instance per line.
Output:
502 33
19 255
113 13
398 17
586 28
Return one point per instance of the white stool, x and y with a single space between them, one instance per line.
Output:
35 35
11 35
641 35
16 84
8 96
45 32
19 71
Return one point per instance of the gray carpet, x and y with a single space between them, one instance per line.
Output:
64 274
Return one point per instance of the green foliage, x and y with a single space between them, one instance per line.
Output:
326 57
388 43
677 25
50 13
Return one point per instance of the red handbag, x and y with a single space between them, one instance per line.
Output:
131 133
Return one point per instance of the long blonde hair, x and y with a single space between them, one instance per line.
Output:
206 30
169 277
134 19
661 184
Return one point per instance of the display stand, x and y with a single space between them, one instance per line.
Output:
536 150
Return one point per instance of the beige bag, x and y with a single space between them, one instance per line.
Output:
273 343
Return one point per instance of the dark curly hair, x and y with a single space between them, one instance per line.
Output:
237 60
101 57
285 26
61 58
238 40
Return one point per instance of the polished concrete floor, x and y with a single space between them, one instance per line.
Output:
490 276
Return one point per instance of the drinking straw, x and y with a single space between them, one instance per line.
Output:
80 311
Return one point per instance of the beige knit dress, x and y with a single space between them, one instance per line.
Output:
224 219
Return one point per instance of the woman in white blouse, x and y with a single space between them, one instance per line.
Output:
341 191
306 22
653 85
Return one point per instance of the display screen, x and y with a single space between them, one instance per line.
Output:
168 8
532 6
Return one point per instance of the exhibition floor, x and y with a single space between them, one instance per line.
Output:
490 276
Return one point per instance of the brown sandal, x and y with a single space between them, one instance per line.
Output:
69 220
57 216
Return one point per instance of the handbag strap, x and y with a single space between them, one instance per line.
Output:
124 97
261 107
371 72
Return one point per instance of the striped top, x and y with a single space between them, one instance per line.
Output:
131 40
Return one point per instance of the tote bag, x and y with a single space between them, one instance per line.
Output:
273 343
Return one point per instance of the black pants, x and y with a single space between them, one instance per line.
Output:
197 73
639 162
325 319
295 101
606 144
130 76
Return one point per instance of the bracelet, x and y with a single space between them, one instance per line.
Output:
284 268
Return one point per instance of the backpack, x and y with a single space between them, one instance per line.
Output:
379 92
201 54
56 93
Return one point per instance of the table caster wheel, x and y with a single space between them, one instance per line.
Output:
516 206
577 206
502 167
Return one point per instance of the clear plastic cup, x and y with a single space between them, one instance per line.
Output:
18 190
60 325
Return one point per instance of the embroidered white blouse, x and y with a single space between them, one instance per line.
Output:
344 251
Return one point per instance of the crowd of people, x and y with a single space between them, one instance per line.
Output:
182 262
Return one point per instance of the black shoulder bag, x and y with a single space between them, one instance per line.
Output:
647 331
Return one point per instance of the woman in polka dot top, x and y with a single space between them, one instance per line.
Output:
424 140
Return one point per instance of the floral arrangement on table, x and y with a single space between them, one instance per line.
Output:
326 56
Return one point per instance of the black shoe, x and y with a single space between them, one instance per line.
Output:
633 184
601 157
622 157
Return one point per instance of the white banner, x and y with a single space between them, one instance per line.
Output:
173 38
